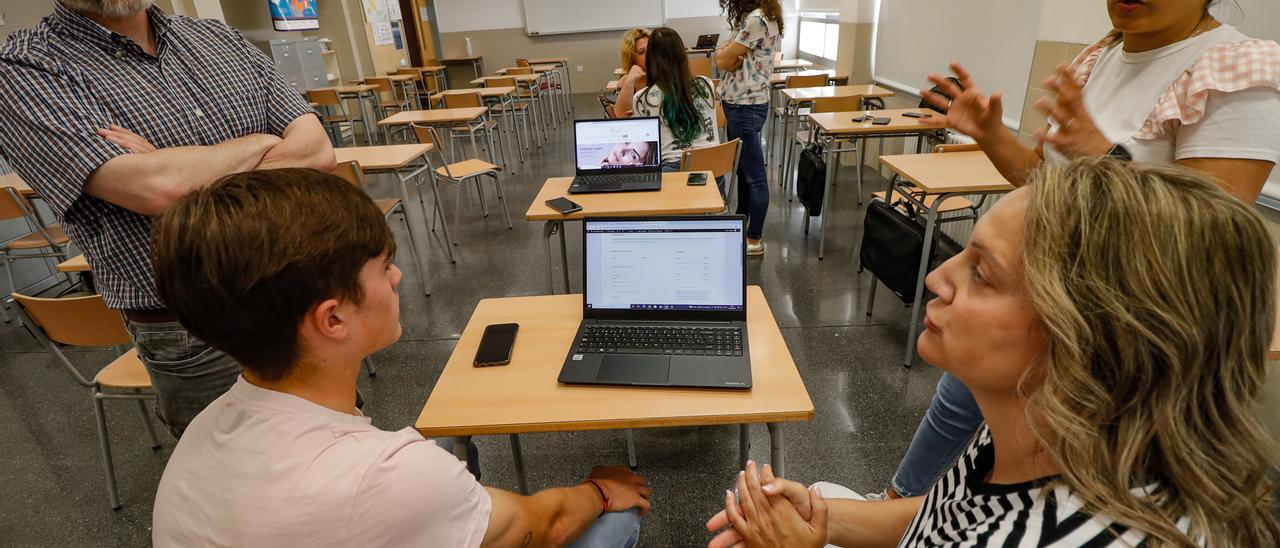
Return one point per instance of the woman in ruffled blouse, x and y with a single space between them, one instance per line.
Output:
1169 85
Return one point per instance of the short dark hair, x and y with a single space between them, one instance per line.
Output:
241 262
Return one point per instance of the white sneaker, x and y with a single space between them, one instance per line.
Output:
755 249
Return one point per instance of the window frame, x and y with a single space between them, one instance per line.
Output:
832 20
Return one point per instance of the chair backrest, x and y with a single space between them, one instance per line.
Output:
956 147
718 159
324 97
504 82
350 172
463 100
76 321
381 82
700 66
521 62
606 105
836 104
807 81
428 135
517 71
410 71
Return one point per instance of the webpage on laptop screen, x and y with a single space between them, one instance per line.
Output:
618 143
665 265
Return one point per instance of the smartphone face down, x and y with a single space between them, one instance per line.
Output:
697 179
563 205
496 345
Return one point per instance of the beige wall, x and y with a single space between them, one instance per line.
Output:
1048 55
595 52
854 57
21 14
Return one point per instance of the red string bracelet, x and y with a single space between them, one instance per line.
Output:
605 507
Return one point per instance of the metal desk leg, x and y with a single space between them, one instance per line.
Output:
826 201
930 225
564 260
517 458
744 445
460 447
366 118
549 228
631 449
413 246
777 450
444 222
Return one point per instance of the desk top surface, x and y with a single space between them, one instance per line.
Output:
522 78
841 123
780 78
524 396
431 68
536 68
675 198
358 88
548 60
461 59
866 90
949 172
792 63
484 92
385 157
435 116
394 78
74 264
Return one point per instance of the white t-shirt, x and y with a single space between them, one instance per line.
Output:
1124 88
648 102
264 468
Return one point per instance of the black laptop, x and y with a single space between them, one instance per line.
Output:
622 155
665 303
707 41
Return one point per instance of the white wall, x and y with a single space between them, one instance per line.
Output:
679 9
857 11
1256 18
1073 21
467 15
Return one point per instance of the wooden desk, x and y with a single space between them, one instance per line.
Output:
940 176
525 79
524 397
563 64
832 128
436 117
12 180
477 63
362 93
791 64
793 100
407 162
499 93
436 73
809 94
536 69
780 79
618 72
675 198
549 61
74 264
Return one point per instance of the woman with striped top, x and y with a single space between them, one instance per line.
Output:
1058 316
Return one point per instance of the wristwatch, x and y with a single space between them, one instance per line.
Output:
1121 153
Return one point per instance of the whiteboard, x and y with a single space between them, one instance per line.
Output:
565 16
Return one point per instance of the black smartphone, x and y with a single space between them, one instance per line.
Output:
917 115
881 121
496 345
863 118
697 179
563 205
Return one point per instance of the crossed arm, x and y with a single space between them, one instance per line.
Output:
150 180
730 56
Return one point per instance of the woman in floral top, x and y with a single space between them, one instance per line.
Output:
746 65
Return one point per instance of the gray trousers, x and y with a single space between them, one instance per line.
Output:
186 374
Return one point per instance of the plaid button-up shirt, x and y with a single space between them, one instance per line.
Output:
67 77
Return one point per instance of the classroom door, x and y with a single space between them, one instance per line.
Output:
426 38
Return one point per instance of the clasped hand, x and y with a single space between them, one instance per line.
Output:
769 512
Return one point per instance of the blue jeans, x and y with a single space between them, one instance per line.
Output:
948 427
746 122
612 530
186 373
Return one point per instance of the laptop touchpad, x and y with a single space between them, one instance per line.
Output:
634 369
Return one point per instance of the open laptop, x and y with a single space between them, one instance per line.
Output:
665 303
623 155
707 41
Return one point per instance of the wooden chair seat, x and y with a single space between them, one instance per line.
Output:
126 372
340 118
513 108
387 205
35 240
954 203
467 168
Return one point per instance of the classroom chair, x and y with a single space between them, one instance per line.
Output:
424 88
352 173
487 127
386 98
537 101
804 138
335 115
41 242
86 321
777 141
700 66
458 173
721 160
515 112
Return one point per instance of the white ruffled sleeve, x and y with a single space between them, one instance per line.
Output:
1221 71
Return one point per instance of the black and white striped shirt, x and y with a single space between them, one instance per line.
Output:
68 76
962 510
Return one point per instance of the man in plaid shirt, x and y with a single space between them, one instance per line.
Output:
112 110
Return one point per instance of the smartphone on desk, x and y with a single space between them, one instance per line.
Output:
881 121
697 179
917 115
564 206
496 345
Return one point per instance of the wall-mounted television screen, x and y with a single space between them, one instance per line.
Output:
294 14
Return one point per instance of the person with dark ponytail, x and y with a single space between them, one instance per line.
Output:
746 66
686 104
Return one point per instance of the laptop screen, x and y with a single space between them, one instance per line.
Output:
609 144
677 265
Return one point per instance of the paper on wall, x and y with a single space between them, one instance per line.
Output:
375 11
393 9
382 34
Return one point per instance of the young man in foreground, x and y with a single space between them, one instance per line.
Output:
290 272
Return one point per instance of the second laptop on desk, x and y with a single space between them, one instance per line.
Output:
665 303
617 155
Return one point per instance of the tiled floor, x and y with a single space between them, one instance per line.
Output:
53 488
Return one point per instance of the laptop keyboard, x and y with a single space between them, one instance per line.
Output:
618 179
687 341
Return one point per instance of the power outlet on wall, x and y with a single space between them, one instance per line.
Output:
579 68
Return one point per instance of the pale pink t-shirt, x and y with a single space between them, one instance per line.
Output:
264 468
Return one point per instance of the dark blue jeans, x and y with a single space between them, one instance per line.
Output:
948 427
746 122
